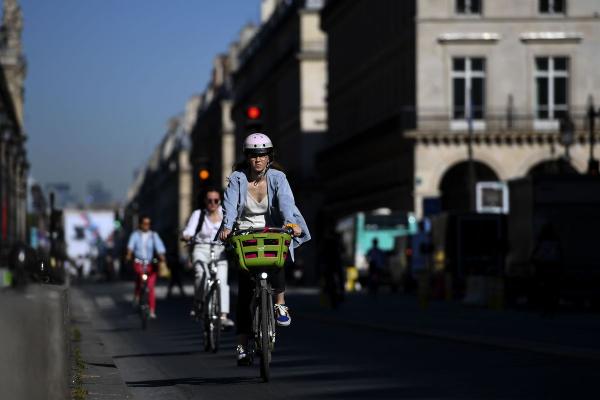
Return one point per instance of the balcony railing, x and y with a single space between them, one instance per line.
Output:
424 122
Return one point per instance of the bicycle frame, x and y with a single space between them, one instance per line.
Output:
261 306
144 306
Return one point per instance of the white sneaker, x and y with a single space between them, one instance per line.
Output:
152 315
244 358
226 323
282 315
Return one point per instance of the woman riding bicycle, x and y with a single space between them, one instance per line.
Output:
260 196
201 229
144 244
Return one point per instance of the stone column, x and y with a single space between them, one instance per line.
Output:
426 179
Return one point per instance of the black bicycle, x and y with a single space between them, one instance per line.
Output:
260 252
207 302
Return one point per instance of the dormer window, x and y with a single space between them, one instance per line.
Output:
468 7
553 6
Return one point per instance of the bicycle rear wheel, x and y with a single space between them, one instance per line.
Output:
212 323
264 336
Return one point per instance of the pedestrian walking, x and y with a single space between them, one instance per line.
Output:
376 260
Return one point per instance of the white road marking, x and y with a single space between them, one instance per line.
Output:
105 302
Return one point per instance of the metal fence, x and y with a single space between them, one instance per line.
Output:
494 121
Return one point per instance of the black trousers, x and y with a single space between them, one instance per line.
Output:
245 289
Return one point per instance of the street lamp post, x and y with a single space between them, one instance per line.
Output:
567 135
471 162
593 168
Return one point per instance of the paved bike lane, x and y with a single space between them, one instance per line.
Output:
366 349
568 333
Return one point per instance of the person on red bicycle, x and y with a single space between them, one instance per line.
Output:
144 244
258 195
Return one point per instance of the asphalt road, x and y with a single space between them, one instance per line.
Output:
320 358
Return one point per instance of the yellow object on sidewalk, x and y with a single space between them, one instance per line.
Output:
351 278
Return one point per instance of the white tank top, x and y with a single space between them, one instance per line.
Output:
255 213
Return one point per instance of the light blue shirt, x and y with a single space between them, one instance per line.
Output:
135 244
282 207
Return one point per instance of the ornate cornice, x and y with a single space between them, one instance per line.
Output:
469 37
551 37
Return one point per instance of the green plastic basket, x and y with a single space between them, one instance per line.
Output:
260 250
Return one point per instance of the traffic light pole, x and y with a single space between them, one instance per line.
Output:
593 168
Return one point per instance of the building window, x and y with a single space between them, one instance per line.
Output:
552 6
552 87
468 6
468 87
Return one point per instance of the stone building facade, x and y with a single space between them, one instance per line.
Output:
417 86
14 167
522 66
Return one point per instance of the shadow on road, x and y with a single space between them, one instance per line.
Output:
165 354
192 381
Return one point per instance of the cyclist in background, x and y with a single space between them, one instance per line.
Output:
143 244
258 196
201 229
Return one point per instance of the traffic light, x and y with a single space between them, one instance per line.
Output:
253 116
204 174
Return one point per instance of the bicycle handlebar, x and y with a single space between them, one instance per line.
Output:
287 230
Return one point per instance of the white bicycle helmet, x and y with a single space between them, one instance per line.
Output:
258 143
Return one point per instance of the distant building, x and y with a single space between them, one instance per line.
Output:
162 189
62 193
14 166
97 195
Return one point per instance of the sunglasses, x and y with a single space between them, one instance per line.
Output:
213 201
259 156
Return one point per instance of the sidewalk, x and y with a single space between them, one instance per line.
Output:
100 378
567 334
34 346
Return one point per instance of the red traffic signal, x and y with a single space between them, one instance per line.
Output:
253 112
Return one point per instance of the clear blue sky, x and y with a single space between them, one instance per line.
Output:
104 76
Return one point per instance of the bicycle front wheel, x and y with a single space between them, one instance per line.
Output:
212 323
264 335
144 307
